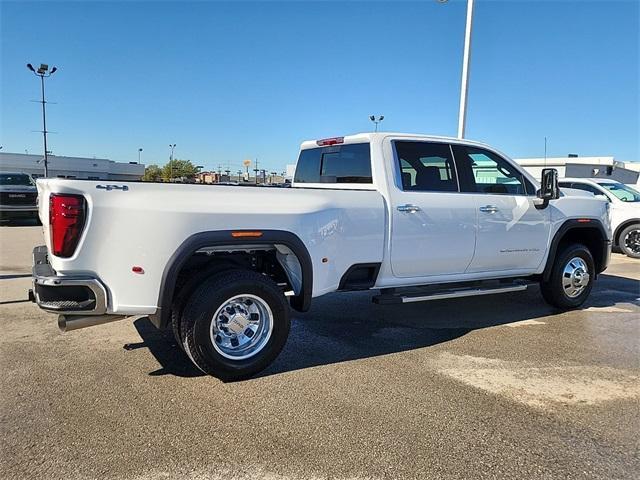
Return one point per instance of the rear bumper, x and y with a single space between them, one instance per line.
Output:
65 295
14 209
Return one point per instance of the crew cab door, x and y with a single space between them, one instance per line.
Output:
432 223
512 234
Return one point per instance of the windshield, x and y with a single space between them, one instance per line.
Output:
620 190
16 179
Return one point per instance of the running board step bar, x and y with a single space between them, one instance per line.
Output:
396 298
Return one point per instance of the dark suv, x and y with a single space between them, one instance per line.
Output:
18 196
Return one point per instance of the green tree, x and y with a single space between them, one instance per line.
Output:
152 173
176 169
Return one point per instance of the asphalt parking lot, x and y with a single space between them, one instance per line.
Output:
487 387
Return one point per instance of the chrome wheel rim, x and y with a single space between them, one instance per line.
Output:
241 327
575 277
632 241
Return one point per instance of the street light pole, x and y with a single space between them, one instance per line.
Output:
139 152
464 87
43 72
466 56
376 120
171 146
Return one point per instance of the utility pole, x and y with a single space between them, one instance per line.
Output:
256 170
43 72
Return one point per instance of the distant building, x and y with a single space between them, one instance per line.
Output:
584 167
71 167
207 177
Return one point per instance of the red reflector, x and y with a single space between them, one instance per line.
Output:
584 220
66 220
330 141
137 269
245 233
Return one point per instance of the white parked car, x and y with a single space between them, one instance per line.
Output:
415 217
625 209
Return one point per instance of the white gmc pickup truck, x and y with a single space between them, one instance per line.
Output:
414 217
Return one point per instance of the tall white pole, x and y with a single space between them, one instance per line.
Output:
462 114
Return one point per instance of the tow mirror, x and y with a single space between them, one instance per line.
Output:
549 189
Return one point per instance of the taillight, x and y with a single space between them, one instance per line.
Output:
66 220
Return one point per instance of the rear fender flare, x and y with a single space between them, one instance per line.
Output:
300 302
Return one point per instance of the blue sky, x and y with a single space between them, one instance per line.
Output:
229 81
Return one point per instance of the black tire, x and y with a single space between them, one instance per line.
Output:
553 291
186 291
198 313
630 246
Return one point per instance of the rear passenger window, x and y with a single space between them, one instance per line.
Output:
349 163
426 167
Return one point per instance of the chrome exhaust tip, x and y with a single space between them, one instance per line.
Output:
67 323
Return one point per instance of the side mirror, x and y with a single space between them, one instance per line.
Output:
549 189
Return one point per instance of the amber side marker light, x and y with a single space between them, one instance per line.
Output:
245 234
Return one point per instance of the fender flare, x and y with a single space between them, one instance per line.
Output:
300 302
574 224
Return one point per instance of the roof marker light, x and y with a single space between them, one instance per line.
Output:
330 141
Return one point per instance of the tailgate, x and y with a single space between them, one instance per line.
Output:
43 207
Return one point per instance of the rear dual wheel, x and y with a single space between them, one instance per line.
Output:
234 324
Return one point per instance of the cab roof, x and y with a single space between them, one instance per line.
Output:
378 136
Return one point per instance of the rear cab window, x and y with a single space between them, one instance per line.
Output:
339 164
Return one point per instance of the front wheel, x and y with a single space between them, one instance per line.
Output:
630 241
235 324
571 278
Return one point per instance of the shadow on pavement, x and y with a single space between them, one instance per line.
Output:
162 345
347 326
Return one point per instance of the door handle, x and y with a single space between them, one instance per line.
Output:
489 209
408 208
